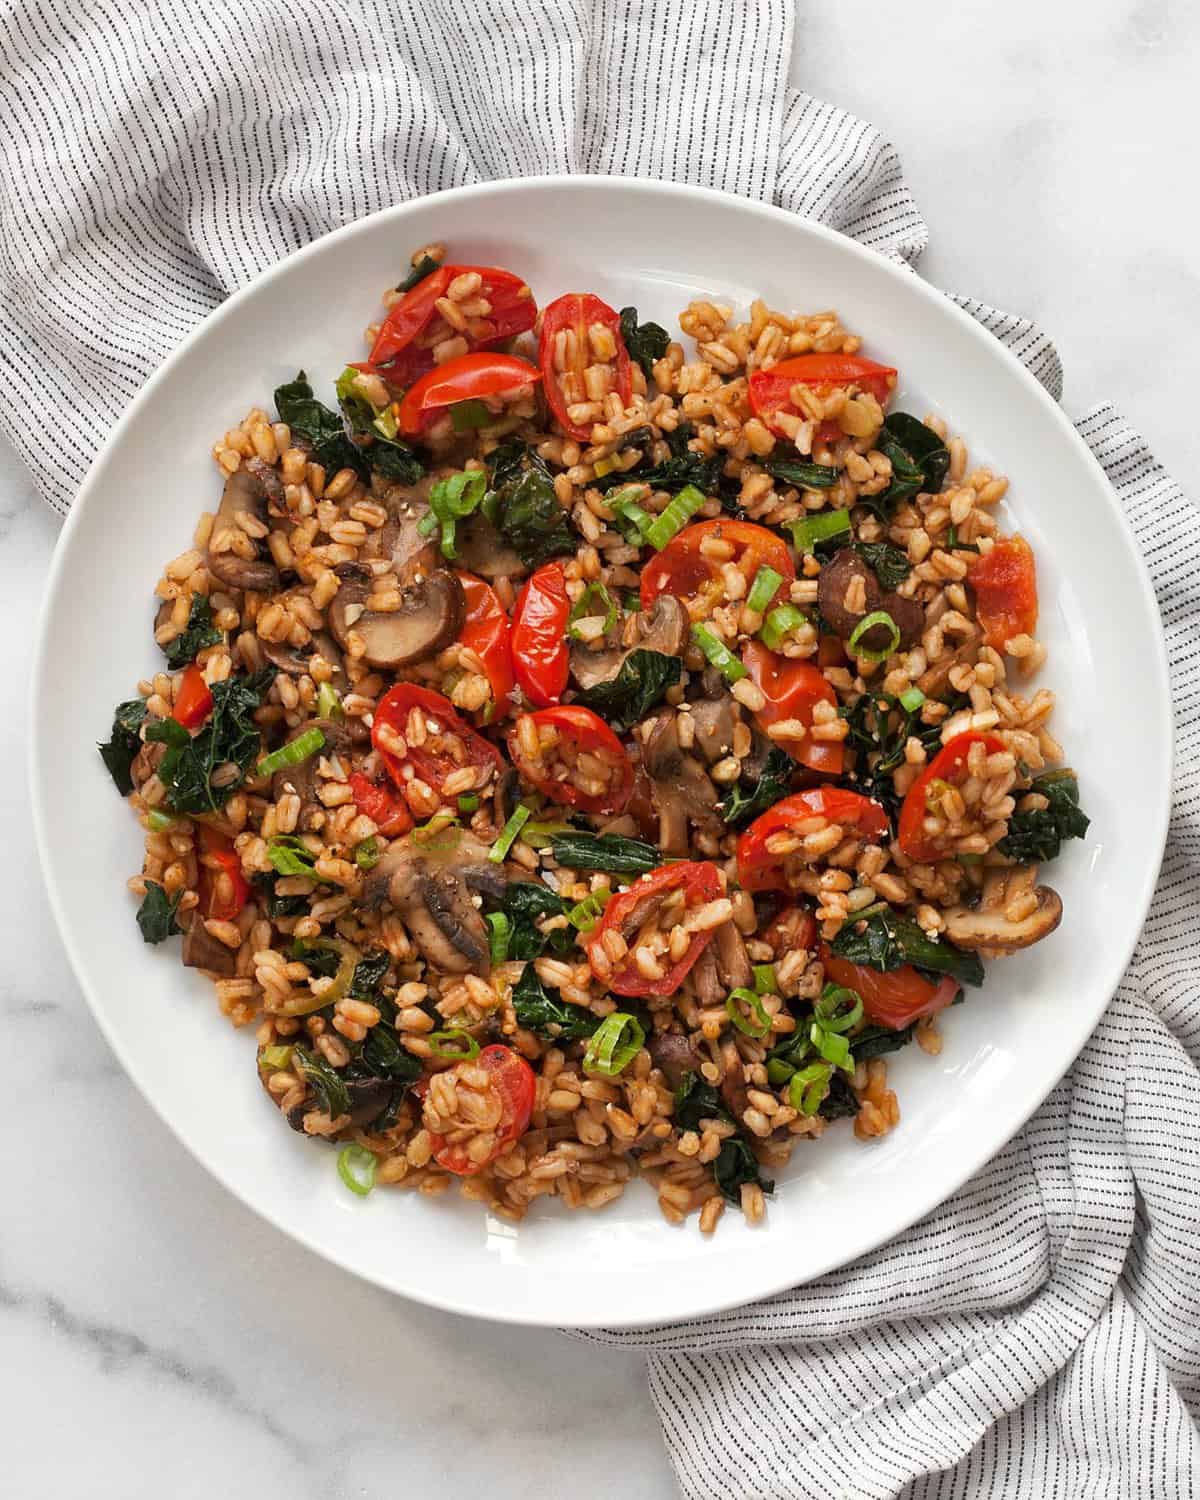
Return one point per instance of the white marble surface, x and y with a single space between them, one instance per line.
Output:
156 1339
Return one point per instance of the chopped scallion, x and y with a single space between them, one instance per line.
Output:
832 1046
159 822
586 913
838 1009
290 855
678 512
764 979
442 1045
541 835
810 530
718 654
633 519
878 617
499 933
595 600
275 1058
357 1168
614 1045
808 1088
911 699
763 589
757 1023
508 833
468 804
294 753
781 621
465 416
329 705
366 854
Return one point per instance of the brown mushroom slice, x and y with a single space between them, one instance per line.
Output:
663 628
706 981
244 491
909 617
733 962
482 550
935 680
431 614
733 1083
434 901
296 661
714 719
680 786
990 929
836 578
202 951
672 1054
302 779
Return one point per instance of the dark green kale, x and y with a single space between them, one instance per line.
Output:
322 428
919 461
156 915
525 903
278 906
604 851
884 940
627 698
748 797
524 508
646 342
681 468
545 1014
326 1082
888 563
425 266
200 632
736 1164
321 958
229 736
1035 837
876 1041
803 475
369 975
374 436
841 1102
123 743
880 727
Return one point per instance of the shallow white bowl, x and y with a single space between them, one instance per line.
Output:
655 245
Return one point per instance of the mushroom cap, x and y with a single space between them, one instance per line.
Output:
431 614
246 489
679 784
662 628
988 928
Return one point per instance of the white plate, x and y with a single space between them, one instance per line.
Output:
654 245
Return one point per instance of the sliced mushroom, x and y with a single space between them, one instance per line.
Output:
733 962
245 490
988 926
706 981
835 581
909 616
302 779
680 786
296 661
482 550
733 1083
934 682
672 1054
714 719
662 628
202 951
431 892
431 613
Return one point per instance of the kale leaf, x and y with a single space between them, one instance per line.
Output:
1035 837
275 905
676 472
547 1016
525 903
231 735
123 743
321 958
626 699
326 1082
369 974
840 1102
199 632
883 940
736 1164
774 781
524 507
880 728
322 428
646 342
156 915
876 1041
888 563
803 475
604 851
425 266
919 460
374 435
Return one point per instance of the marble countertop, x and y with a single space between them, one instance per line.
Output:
156 1338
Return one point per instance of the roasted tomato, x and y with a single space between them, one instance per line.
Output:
790 929
793 689
510 1079
470 377
193 701
381 803
1005 584
223 889
539 635
487 632
949 767
583 357
403 348
417 730
763 869
571 756
643 918
691 572
895 999
771 390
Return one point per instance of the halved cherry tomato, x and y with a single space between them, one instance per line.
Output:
379 802
770 391
193 701
511 1077
761 870
487 632
682 568
793 689
894 999
790 930
578 732
403 348
567 348
223 889
831 652
1005 584
448 741
539 635
467 378
949 765
627 913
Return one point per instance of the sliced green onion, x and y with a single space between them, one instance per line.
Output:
499 933
290 855
465 416
808 1088
440 821
718 654
633 520
911 699
542 835
385 424
450 500
468 804
761 1022
583 608
832 1047
329 705
366 854
586 913
294 753
778 1071
614 1044
764 979
810 530
838 1009
969 859
675 516
868 622
357 1167
442 1045
508 833
275 1058
159 822
604 466
780 622
763 589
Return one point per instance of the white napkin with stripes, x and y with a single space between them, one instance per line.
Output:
1037 1335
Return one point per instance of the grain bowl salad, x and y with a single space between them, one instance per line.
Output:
581 756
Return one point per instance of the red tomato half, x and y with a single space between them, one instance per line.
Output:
403 348
683 569
894 999
627 913
578 732
223 889
771 390
487 632
539 635
511 1077
467 378
1005 584
379 802
792 929
578 331
448 742
949 765
193 701
793 689
761 870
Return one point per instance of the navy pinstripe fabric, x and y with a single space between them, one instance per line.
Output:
1039 1334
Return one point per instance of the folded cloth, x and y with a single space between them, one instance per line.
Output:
1037 1335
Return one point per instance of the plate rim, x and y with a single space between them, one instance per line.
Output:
971 1160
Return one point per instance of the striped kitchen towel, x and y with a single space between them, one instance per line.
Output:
1039 1334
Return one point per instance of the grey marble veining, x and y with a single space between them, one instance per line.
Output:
157 1339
